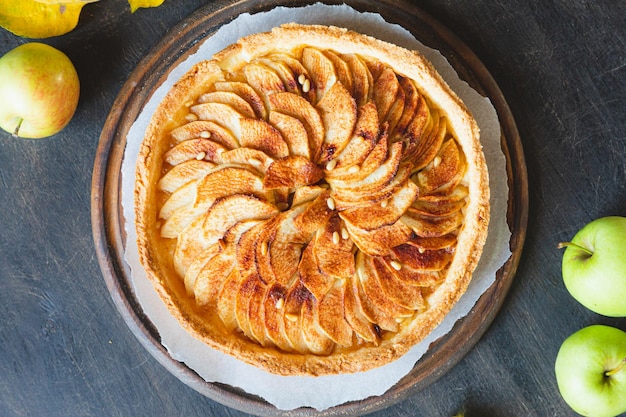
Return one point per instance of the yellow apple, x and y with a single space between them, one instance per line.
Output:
39 90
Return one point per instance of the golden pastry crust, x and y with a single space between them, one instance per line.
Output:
368 195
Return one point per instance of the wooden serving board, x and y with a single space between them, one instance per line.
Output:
108 222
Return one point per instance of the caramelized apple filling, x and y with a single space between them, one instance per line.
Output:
314 199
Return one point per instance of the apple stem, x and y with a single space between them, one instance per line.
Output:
17 128
565 244
617 369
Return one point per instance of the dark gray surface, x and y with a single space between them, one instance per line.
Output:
64 348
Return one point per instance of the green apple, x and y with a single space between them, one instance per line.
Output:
594 266
39 90
590 371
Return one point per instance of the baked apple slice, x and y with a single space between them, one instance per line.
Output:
205 129
385 213
230 98
199 149
183 173
258 134
296 106
363 140
339 114
331 316
320 69
246 92
362 80
293 132
263 79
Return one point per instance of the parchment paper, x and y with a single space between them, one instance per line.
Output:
327 391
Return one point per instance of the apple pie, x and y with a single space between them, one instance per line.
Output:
311 200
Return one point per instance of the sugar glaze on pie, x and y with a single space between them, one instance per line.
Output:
311 200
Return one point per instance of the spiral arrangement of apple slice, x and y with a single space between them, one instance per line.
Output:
314 199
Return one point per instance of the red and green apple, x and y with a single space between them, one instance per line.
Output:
39 89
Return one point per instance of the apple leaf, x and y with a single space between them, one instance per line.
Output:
40 18
136 4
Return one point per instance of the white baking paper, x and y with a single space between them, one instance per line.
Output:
326 391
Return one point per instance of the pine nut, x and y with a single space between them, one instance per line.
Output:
255 162
306 86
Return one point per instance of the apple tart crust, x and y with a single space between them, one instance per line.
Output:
311 200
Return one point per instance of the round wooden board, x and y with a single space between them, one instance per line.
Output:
108 222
